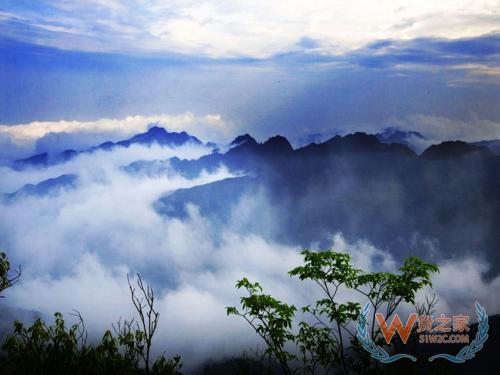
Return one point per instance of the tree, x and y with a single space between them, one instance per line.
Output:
57 349
7 280
270 318
148 317
321 342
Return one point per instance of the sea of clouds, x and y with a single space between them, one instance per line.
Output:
77 246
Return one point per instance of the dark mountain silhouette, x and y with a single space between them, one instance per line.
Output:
242 139
441 204
446 199
355 143
492 145
154 135
410 138
246 155
159 135
277 145
454 149
307 139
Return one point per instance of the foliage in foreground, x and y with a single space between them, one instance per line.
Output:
325 341
57 349
7 279
322 342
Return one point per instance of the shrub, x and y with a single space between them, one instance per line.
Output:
323 346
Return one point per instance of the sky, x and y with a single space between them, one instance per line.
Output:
288 67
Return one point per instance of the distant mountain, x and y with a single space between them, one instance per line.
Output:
409 204
419 143
154 135
445 198
249 156
38 160
492 145
244 155
158 135
307 139
255 158
44 159
246 138
46 187
412 139
454 149
214 197
356 143
277 145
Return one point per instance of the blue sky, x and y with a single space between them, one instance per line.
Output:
290 67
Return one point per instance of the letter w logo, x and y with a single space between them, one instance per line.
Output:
396 325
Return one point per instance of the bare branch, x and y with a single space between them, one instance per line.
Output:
143 300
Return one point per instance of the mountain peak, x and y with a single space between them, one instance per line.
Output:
361 137
157 134
279 142
356 141
396 135
277 146
245 138
157 130
409 138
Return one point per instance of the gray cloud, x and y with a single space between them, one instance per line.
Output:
228 29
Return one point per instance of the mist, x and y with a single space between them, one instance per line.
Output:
77 245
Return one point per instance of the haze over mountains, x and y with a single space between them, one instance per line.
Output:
446 198
155 135
193 217
370 186
199 143
158 135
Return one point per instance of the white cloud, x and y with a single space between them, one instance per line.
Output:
258 28
22 140
193 321
210 125
461 282
107 162
77 247
438 128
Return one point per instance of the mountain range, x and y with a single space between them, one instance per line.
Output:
154 135
439 204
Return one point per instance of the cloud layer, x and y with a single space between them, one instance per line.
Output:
437 128
23 140
76 248
53 136
235 29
